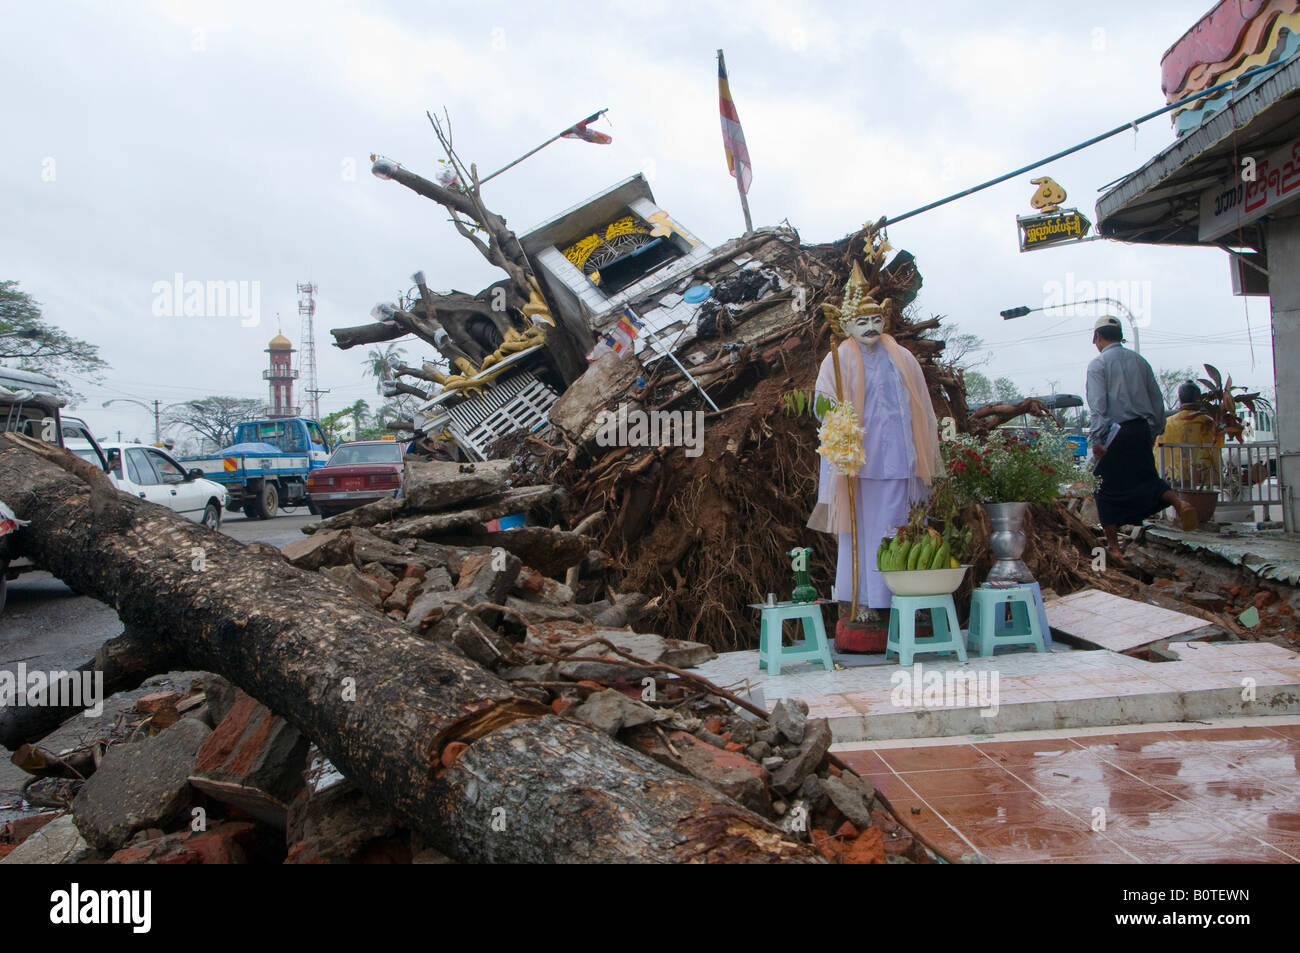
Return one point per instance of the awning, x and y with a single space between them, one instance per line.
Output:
1161 202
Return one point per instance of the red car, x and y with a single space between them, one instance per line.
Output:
356 474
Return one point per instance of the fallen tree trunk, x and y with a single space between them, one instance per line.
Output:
431 525
381 703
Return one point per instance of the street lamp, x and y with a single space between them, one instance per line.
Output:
156 410
1023 310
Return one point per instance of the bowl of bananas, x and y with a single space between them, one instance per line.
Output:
917 561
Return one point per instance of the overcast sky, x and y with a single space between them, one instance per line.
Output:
229 142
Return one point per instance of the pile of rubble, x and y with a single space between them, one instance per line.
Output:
190 770
187 769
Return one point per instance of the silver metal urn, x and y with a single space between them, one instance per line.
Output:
1007 541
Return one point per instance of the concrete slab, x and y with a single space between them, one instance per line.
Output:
1115 623
1020 691
1270 554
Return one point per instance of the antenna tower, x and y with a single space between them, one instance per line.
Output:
307 309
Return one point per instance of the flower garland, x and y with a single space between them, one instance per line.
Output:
841 439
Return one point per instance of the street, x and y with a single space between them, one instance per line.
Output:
51 628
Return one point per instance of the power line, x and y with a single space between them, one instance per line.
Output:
1090 142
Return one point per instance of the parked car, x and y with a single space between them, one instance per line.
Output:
154 475
357 473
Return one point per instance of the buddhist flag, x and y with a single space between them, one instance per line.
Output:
619 337
579 130
625 332
733 137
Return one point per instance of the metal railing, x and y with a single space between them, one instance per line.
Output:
1240 474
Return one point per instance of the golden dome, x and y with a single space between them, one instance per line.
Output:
280 343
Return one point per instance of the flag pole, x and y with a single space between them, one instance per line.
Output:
645 326
735 164
558 135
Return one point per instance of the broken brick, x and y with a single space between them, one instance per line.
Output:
254 759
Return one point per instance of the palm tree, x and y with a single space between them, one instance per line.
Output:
381 361
357 412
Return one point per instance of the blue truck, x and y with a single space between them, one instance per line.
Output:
267 465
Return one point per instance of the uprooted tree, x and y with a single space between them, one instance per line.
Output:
467 329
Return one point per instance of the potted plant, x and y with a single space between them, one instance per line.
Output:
1005 475
1205 421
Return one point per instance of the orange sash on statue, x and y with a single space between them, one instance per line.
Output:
832 512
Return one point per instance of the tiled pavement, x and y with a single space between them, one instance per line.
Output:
1180 794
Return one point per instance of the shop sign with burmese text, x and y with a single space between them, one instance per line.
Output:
1040 231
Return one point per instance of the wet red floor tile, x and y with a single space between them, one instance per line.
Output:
891 785
1229 795
1016 753
863 762
1189 836
933 758
1267 764
1019 829
1287 731
983 782
1246 735
1119 802
931 827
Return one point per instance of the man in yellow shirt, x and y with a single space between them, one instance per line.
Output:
1190 469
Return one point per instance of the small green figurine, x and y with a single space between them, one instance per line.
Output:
803 588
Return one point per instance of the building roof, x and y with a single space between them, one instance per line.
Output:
587 215
1160 202
280 343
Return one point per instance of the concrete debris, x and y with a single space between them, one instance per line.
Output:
612 711
58 842
790 717
816 742
139 785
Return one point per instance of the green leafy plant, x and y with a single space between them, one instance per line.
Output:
1007 468
798 402
1221 399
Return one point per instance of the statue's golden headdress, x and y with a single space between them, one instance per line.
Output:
858 301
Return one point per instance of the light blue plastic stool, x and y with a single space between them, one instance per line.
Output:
814 647
990 627
943 620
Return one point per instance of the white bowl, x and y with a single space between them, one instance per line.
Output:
924 582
